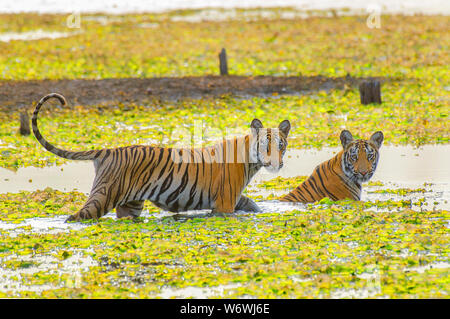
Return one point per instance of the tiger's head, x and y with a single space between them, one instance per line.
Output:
268 146
360 157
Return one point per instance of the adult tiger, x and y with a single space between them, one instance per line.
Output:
175 179
341 176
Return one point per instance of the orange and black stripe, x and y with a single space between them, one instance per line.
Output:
204 178
341 176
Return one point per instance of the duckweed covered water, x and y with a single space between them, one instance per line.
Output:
394 243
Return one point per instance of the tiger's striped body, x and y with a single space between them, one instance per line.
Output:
173 179
341 176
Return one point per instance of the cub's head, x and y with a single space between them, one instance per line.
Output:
268 145
360 157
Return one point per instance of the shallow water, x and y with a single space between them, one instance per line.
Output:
72 176
33 35
405 165
48 225
73 265
399 167
372 288
195 292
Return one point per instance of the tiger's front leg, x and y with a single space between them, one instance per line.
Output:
247 204
99 203
95 207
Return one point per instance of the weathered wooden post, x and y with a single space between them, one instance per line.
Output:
370 92
223 62
24 124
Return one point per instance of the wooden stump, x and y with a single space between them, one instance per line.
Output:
24 124
223 62
370 92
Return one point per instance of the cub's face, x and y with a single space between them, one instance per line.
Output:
269 145
360 157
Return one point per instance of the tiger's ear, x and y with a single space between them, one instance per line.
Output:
256 125
285 127
377 138
346 138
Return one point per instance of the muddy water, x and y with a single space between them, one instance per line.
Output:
399 167
48 225
398 164
402 164
72 176
33 35
78 261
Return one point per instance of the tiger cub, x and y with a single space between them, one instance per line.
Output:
175 179
341 176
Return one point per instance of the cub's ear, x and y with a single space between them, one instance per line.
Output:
346 137
256 125
377 138
285 127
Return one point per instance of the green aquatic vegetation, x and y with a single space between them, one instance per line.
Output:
172 124
398 191
280 183
149 45
409 52
323 251
283 183
16 207
374 183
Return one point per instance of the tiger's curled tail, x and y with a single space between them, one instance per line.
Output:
84 155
